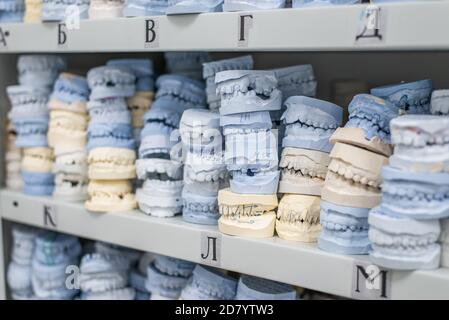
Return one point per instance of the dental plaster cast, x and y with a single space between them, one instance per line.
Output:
193 6
71 163
210 69
39 70
253 288
67 131
106 9
303 171
102 272
245 5
23 244
184 91
112 249
403 243
139 105
53 10
296 81
18 278
28 102
421 143
37 183
408 97
110 111
160 198
247 91
208 283
54 248
204 168
249 215
137 282
110 196
199 201
369 124
164 285
162 118
11 11
70 93
188 64
415 195
111 81
112 135
118 294
70 187
354 177
298 218
310 123
444 240
13 158
143 71
439 103
322 3
344 229
111 164
143 8
37 160
32 11
173 266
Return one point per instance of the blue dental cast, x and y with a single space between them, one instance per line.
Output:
322 3
53 10
70 88
253 288
344 229
114 135
193 6
137 281
111 82
39 70
403 243
28 103
54 248
188 92
200 204
296 81
439 104
12 11
245 5
142 69
188 64
409 97
173 266
143 8
38 184
310 123
109 111
207 283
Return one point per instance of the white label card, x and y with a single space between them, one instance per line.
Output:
210 249
50 216
245 23
370 282
151 33
371 25
4 36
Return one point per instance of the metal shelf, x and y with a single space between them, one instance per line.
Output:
298 264
408 26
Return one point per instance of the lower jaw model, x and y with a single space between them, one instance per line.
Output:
200 202
248 215
111 163
110 196
160 198
403 243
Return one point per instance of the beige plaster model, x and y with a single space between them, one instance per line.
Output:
67 131
111 164
37 159
247 215
110 196
32 11
303 171
139 104
298 218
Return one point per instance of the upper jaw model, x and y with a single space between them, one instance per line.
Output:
298 218
142 69
296 81
143 8
53 10
110 196
39 70
247 91
70 93
193 6
210 69
111 81
403 243
105 9
369 124
253 288
421 143
112 135
409 97
247 215
244 5
439 104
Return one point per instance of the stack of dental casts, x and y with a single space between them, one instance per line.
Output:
309 123
204 169
11 11
209 284
67 135
210 69
188 64
160 154
142 99
54 253
138 277
54 10
13 158
404 228
253 288
166 277
111 145
353 180
29 116
32 11
247 97
18 275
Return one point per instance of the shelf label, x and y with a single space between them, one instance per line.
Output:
371 26
211 248
151 33
62 35
245 23
4 34
370 282
50 216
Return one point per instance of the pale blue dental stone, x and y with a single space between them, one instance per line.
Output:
253 288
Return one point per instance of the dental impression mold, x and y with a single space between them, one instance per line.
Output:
248 215
439 104
245 5
403 243
409 97
197 6
210 69
143 8
253 288
52 10
298 218
369 124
